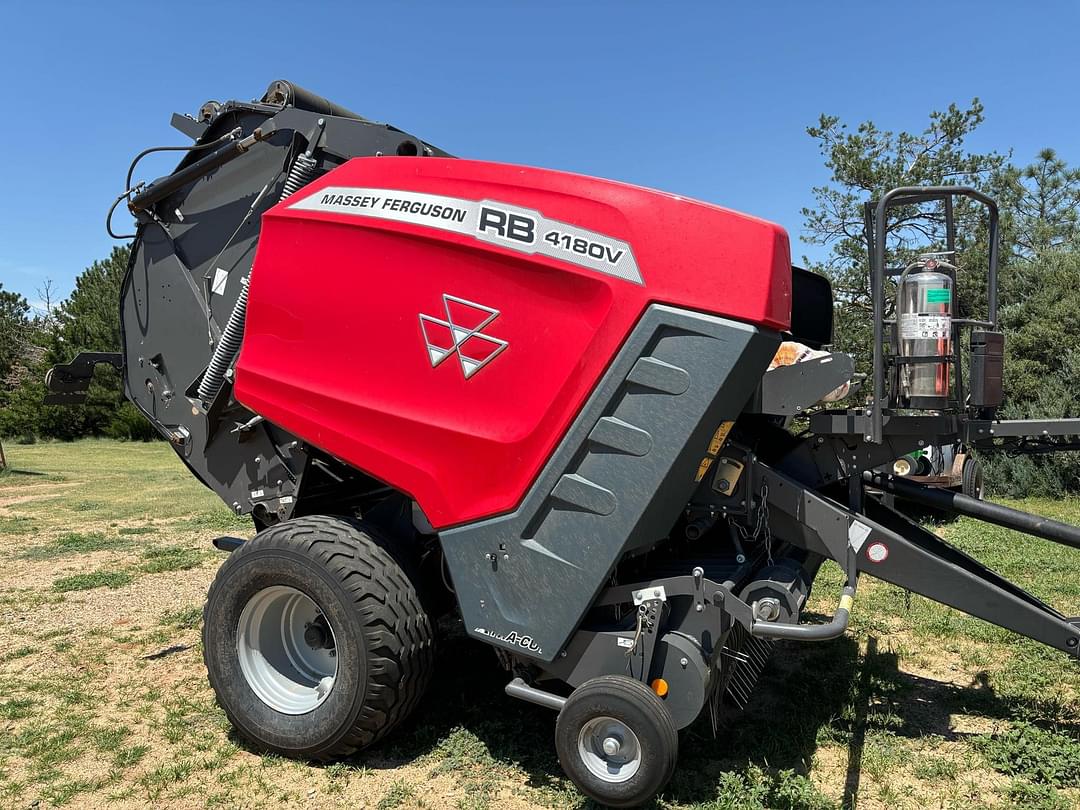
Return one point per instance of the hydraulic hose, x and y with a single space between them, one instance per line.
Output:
810 632
219 157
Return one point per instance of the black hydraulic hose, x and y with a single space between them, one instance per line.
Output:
108 219
997 514
128 190
228 136
219 157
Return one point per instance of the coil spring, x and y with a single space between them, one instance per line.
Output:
229 344
303 171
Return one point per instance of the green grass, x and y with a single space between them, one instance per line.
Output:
108 739
399 793
74 543
184 619
754 788
1027 796
19 652
86 582
130 756
159 559
131 530
1039 755
16 709
165 778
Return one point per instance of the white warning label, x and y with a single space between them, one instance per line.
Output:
920 326
857 534
221 278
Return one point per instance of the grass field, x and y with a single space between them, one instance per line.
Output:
104 702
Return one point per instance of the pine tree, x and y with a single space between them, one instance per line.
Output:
864 164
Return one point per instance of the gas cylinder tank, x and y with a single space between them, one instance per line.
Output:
437 323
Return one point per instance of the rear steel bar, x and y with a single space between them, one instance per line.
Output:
517 688
972 507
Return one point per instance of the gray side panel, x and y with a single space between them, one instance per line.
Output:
616 483
172 312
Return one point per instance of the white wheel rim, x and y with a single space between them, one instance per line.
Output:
609 749
282 668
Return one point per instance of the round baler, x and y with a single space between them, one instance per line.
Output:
542 404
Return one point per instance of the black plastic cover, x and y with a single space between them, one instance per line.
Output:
811 308
987 361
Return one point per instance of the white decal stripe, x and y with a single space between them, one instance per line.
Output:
521 229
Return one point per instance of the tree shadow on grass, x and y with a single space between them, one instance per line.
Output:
808 694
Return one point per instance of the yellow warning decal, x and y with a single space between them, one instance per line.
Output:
846 602
720 437
715 444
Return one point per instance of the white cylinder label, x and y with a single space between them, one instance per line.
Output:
920 326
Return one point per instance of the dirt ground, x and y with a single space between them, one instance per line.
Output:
104 699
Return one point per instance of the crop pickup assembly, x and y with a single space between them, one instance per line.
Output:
539 401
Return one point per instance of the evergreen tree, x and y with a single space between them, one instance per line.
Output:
1039 260
89 320
14 324
864 164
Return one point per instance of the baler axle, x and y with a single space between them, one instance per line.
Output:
517 688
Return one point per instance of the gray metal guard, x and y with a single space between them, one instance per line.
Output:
616 482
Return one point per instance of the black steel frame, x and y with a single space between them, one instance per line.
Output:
876 230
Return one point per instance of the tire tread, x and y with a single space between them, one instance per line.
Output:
398 633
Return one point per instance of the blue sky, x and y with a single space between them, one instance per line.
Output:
709 100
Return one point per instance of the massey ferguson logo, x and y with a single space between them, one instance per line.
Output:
460 334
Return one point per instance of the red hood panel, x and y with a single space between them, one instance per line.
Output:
438 323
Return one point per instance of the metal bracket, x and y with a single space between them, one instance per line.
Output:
650 621
188 126
68 383
743 613
889 547
789 390
646 595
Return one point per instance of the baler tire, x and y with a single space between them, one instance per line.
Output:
971 478
635 706
383 639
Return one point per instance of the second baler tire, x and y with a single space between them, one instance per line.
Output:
376 616
636 705
971 478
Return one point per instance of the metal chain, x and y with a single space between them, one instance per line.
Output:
761 523
638 631
763 516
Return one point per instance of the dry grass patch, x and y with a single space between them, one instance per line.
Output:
104 700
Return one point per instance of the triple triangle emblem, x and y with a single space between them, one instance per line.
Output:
460 334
